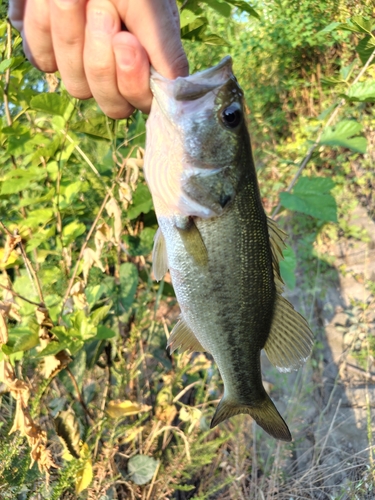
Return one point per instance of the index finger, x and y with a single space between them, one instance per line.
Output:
156 25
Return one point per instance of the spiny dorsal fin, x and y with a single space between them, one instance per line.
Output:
193 243
183 338
277 240
290 340
159 256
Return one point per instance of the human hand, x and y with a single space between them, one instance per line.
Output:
83 40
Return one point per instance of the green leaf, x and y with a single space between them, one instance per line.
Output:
211 39
128 284
52 103
312 196
288 267
99 126
344 134
141 245
4 65
37 217
244 7
142 202
22 339
331 27
187 17
71 232
362 91
19 179
142 468
104 333
365 48
223 8
363 25
99 314
195 29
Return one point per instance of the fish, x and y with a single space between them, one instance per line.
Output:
214 237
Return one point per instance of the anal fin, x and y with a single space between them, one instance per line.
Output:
183 338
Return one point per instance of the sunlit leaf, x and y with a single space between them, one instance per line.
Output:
117 409
362 91
365 48
52 103
344 134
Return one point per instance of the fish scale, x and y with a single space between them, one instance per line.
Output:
214 237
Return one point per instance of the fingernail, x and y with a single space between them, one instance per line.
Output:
100 21
125 56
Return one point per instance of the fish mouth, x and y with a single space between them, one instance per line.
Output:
192 87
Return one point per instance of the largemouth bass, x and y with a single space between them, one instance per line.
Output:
214 237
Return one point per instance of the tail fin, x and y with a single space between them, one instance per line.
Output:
265 414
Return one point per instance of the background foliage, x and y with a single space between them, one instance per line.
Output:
92 406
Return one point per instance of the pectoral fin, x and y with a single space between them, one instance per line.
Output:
183 338
264 413
290 340
159 256
193 242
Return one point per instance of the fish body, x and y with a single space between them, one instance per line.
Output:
214 237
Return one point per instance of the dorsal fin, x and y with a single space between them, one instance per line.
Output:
183 338
159 256
290 339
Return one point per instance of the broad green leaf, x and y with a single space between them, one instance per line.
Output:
128 284
37 217
99 314
99 127
243 6
363 25
104 333
222 8
71 232
141 245
195 29
312 196
187 17
4 65
38 199
331 27
142 202
23 339
52 103
288 267
344 134
365 48
212 39
93 294
142 468
19 179
362 91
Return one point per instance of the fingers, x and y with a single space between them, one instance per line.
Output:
68 20
133 70
36 34
156 25
103 23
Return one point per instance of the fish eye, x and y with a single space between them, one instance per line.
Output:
231 116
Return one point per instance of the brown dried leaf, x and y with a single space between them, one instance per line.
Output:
79 297
52 365
10 244
113 210
103 235
125 194
3 329
42 317
90 258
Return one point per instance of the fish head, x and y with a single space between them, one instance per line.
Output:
201 125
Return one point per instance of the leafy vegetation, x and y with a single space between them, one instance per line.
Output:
92 405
